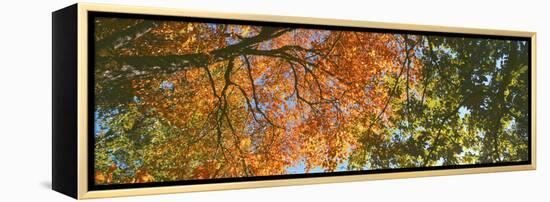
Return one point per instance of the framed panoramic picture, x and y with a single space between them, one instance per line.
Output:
151 101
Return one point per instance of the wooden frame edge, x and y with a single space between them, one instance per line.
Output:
293 182
82 100
533 100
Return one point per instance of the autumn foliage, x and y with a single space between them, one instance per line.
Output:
188 100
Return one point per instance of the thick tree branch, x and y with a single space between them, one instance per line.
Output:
124 37
140 67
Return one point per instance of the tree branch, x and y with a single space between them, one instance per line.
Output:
124 37
254 95
141 67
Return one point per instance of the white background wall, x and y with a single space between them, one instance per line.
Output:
25 99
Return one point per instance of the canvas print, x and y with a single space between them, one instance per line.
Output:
187 99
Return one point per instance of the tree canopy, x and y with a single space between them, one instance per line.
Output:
178 100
